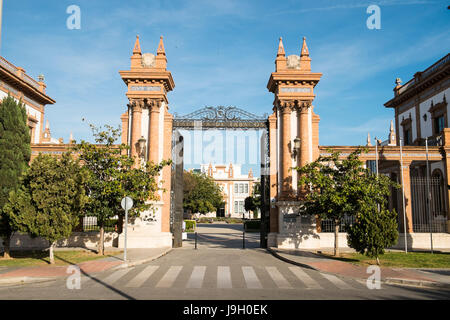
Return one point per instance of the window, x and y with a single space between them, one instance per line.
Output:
241 188
439 124
438 113
407 131
407 137
239 207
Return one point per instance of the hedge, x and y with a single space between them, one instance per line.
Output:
252 225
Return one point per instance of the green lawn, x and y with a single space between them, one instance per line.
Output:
400 259
40 258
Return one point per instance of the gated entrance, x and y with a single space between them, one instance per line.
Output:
222 118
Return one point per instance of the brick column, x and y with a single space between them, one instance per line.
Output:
303 133
167 171
446 143
407 192
136 127
153 137
286 162
304 136
273 171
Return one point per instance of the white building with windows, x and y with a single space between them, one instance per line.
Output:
235 187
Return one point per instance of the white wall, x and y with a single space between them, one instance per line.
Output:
426 127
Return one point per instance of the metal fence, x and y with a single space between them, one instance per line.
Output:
420 210
90 224
328 224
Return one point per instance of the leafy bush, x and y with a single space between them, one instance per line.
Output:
190 225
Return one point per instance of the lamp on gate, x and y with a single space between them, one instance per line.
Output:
142 144
297 142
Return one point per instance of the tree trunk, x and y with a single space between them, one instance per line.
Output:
336 238
378 261
6 247
101 245
52 256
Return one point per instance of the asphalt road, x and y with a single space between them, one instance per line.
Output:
215 271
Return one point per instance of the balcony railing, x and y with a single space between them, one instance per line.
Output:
8 65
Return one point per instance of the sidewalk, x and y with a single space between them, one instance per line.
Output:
15 276
405 276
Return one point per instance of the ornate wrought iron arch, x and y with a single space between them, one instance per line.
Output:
220 118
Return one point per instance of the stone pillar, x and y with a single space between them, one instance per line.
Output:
153 137
136 127
407 192
286 161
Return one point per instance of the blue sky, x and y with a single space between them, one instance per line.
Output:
222 53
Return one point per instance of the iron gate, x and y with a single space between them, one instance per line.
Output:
420 210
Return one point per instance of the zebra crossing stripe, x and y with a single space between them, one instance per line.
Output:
309 282
224 278
196 279
278 278
169 278
142 277
336 281
111 279
251 279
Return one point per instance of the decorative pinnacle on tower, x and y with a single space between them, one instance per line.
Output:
305 60
280 61
368 144
392 138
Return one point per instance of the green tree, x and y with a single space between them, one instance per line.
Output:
112 175
14 158
375 226
201 193
336 187
50 200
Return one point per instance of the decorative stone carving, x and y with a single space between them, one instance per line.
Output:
148 60
293 62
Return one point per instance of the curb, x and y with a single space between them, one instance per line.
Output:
389 281
276 255
142 261
416 283
23 280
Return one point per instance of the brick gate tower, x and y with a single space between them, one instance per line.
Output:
147 129
294 141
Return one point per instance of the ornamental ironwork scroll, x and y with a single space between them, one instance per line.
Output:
220 118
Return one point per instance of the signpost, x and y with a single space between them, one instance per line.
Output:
127 204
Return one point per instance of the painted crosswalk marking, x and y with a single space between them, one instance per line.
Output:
309 282
224 278
251 279
278 278
111 279
169 278
139 280
196 279
336 281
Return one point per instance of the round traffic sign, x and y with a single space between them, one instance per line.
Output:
126 203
